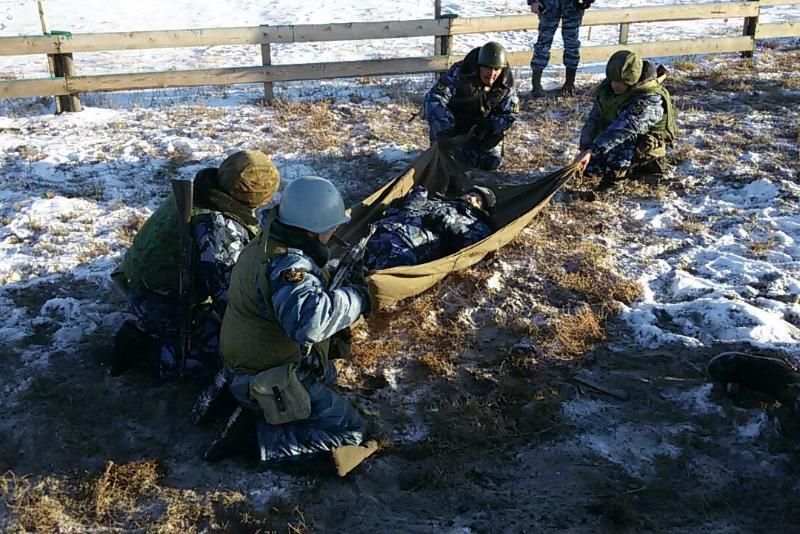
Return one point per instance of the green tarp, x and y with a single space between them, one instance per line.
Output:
516 206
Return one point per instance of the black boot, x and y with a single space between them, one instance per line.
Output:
238 432
214 401
609 180
652 172
132 346
770 376
568 89
536 84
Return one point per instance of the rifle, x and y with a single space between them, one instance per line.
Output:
354 254
183 192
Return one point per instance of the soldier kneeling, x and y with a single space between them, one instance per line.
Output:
276 334
222 223
476 97
631 123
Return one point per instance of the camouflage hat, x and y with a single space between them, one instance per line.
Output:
488 196
249 177
624 66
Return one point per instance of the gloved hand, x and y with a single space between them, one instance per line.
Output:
357 279
646 143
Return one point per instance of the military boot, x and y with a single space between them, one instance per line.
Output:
214 401
238 432
652 172
610 179
568 89
537 91
770 376
132 346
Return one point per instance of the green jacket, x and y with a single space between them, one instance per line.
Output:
151 264
251 340
610 105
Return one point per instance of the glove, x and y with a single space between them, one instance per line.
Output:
646 144
357 279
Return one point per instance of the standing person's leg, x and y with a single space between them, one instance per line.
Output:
548 24
570 33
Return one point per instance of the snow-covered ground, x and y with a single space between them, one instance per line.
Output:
718 258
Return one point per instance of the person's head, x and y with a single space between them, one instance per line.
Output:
480 197
249 177
313 204
491 62
623 70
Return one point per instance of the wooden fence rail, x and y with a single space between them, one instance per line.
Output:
440 28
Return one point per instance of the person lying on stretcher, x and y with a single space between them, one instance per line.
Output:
423 227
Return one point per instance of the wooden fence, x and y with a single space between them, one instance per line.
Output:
442 28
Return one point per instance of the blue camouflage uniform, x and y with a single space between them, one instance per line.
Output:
422 228
459 102
616 147
218 242
570 17
306 314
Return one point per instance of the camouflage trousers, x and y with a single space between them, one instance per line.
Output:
476 156
386 250
158 316
556 11
333 421
627 155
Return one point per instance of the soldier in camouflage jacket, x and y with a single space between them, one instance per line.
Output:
422 227
475 96
222 223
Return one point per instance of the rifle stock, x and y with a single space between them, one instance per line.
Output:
183 191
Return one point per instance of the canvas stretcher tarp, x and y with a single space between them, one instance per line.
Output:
437 172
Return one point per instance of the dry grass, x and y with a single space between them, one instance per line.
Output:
578 332
127 497
761 249
312 122
35 225
686 65
691 224
94 249
127 231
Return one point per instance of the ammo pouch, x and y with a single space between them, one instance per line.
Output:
281 395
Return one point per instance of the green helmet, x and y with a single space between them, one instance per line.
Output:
312 203
249 177
493 55
624 66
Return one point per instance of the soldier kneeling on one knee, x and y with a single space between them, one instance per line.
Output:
276 334
631 124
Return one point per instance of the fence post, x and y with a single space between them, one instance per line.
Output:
437 14
50 62
64 67
442 44
266 61
750 27
623 32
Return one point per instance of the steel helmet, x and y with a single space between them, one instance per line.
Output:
312 203
492 55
